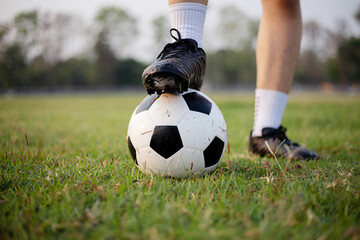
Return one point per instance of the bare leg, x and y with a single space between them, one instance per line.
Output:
278 44
276 56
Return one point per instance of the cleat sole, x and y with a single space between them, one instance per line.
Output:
168 84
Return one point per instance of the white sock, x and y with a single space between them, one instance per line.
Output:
188 19
269 109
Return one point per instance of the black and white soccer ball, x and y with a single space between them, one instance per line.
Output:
177 135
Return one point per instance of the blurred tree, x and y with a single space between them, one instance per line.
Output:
32 52
349 60
26 32
44 34
4 29
129 73
311 67
235 62
160 28
56 31
314 38
105 62
236 30
332 69
73 72
357 15
39 73
109 71
13 68
253 29
335 37
228 67
118 27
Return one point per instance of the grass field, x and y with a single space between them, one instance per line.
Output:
66 173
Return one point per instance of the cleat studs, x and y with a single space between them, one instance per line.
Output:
180 90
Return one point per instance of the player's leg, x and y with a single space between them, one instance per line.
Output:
182 63
277 52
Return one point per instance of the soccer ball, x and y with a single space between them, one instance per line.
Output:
177 135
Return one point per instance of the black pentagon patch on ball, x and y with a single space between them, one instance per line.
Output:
166 140
146 103
131 150
213 152
197 102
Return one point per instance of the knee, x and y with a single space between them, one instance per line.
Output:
289 8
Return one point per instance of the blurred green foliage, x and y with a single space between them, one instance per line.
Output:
32 48
349 57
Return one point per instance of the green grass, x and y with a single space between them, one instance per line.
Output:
65 173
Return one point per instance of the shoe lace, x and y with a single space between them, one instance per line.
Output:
280 134
178 46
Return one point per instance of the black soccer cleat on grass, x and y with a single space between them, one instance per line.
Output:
180 65
279 144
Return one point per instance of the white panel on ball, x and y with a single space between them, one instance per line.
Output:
143 128
150 162
168 109
220 130
186 162
202 124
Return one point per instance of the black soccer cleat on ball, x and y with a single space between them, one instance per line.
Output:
180 65
279 144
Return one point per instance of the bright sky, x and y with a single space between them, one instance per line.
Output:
327 12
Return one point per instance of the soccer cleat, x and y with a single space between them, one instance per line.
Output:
279 144
180 65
